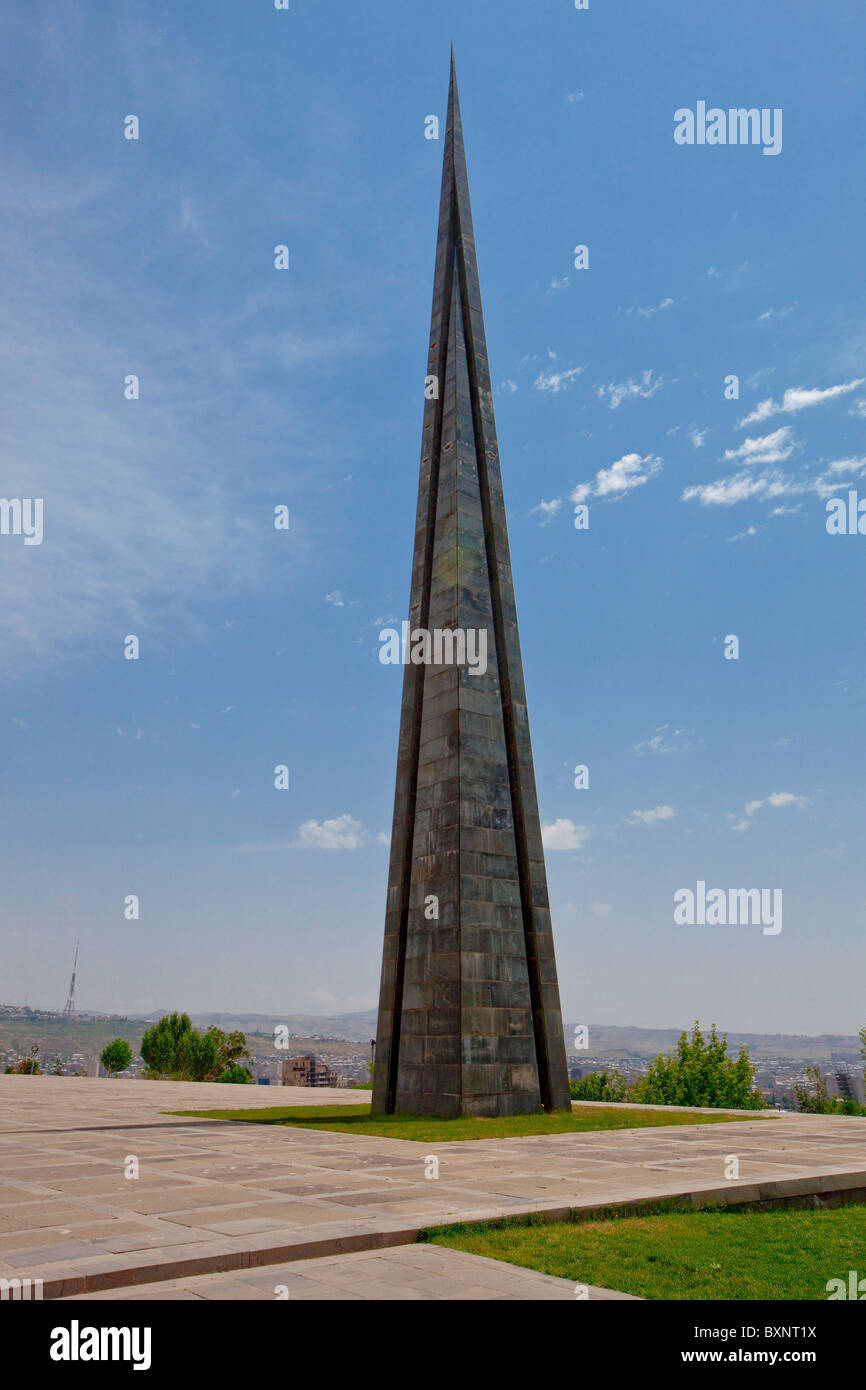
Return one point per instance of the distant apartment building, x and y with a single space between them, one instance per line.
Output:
845 1084
307 1071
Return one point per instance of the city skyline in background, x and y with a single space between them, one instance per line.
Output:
304 388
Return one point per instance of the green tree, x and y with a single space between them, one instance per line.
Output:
600 1085
700 1072
230 1047
160 1045
197 1056
814 1098
238 1076
116 1056
173 1049
28 1066
368 1084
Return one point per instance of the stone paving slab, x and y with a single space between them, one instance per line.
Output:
221 1197
414 1272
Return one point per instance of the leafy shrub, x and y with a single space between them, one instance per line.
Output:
116 1056
600 1085
814 1098
173 1049
700 1073
236 1076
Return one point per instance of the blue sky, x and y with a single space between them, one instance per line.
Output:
304 387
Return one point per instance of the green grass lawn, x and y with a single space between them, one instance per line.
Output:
712 1254
357 1119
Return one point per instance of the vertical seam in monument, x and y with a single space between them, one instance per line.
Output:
461 308
418 693
523 869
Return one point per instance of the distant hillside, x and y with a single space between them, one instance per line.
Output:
88 1036
605 1040
360 1027
20 1032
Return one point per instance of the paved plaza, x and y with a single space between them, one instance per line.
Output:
403 1272
237 1205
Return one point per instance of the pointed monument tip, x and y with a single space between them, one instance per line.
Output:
452 85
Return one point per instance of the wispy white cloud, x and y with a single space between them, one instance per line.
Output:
615 393
798 398
145 528
769 448
564 834
773 313
664 740
714 273
724 492
650 817
554 382
757 376
834 475
848 465
343 832
547 510
775 799
150 521
629 472
190 218
654 309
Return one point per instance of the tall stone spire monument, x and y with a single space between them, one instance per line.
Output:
469 1015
